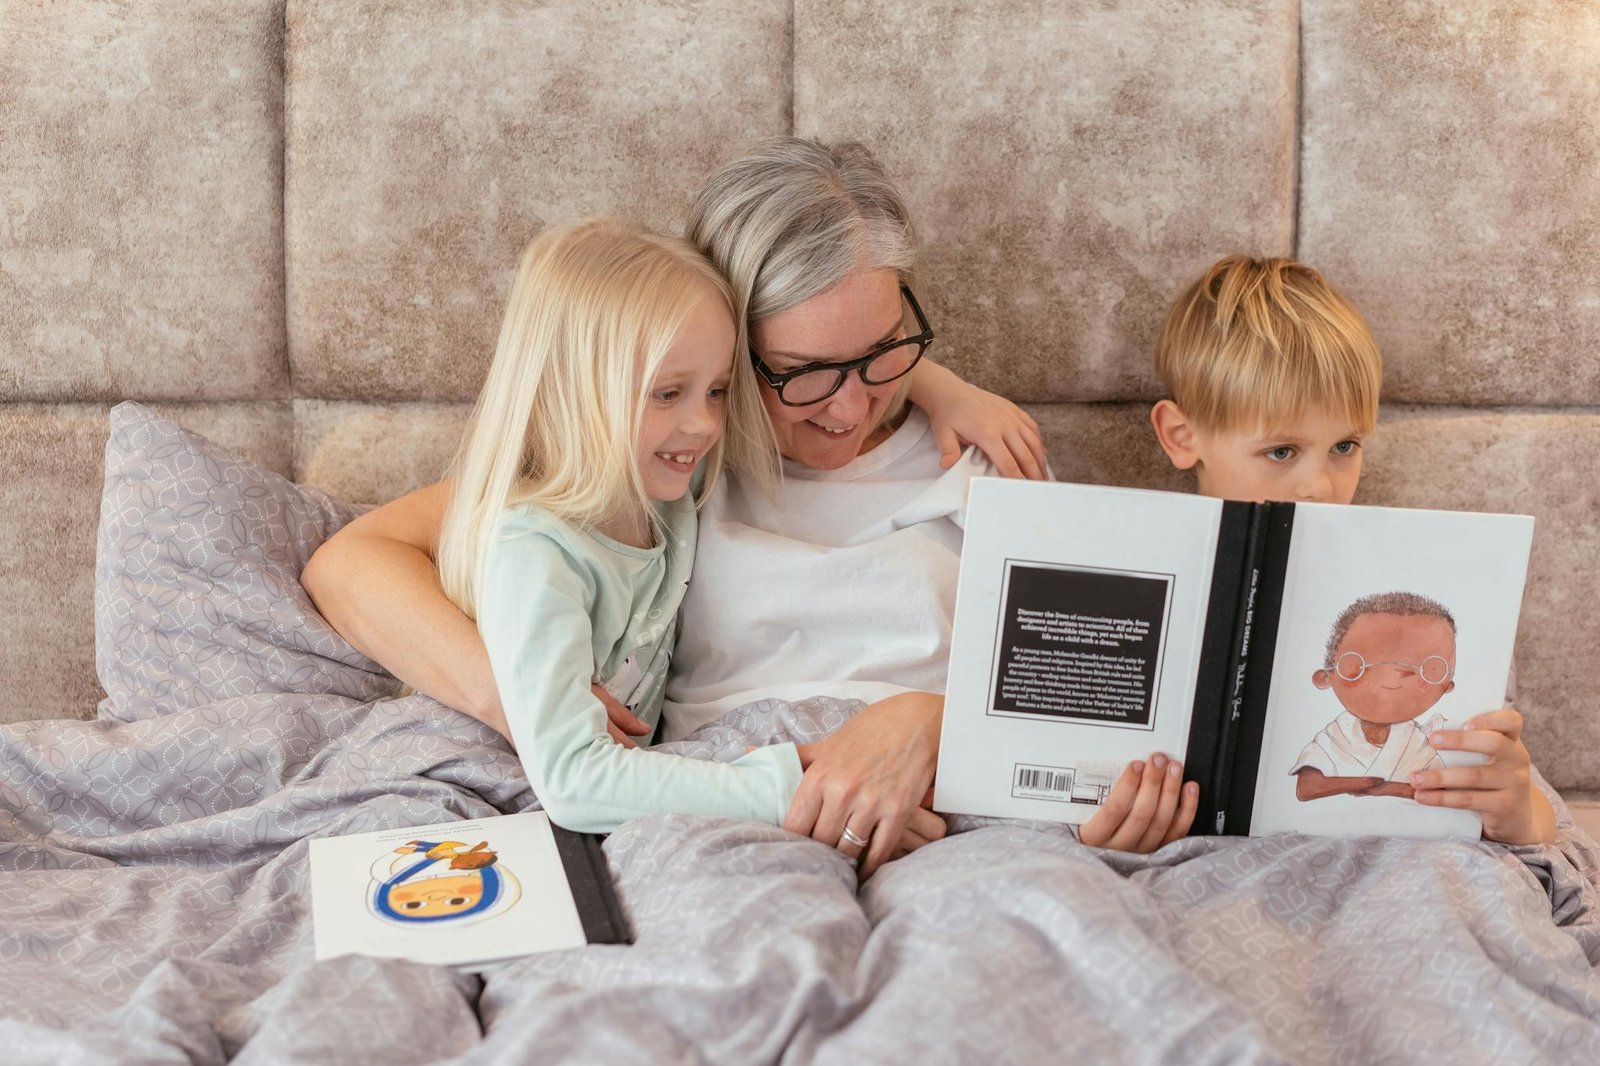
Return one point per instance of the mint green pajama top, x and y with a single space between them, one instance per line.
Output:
560 608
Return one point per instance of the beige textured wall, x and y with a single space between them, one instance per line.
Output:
1071 165
428 141
141 162
1451 181
293 223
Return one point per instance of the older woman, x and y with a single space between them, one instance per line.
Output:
844 583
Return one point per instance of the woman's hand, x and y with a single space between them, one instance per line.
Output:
1148 808
1501 790
870 778
620 722
963 414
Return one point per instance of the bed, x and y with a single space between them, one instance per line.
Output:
285 228
158 876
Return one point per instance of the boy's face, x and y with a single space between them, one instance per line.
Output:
1316 458
1392 688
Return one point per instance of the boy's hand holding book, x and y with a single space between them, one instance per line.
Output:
1501 790
1148 808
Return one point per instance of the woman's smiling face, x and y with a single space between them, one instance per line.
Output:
834 326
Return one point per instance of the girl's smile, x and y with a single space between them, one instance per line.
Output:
686 410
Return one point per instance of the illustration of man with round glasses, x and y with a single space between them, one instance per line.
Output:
1391 657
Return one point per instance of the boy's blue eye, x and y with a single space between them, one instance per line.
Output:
1280 454
1346 447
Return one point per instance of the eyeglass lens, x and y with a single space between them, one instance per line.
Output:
1434 669
885 367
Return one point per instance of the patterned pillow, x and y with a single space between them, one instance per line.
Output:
197 578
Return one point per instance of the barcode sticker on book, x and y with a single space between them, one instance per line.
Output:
1043 783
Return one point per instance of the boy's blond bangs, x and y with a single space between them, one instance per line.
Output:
593 310
1256 342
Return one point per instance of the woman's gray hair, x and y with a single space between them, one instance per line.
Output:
793 216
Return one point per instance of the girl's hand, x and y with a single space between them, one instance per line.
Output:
1148 808
621 722
1501 790
963 414
923 827
870 777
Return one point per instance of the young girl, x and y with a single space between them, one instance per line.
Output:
571 529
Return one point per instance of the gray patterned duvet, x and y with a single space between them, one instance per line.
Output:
153 876
155 911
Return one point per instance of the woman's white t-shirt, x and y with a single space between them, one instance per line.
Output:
843 585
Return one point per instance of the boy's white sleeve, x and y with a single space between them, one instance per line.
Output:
534 619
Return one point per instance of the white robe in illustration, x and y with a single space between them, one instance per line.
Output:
1342 750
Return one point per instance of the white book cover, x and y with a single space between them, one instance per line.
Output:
1026 678
463 894
1459 578
1081 614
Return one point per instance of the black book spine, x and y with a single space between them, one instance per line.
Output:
593 891
1226 714
1217 680
1262 633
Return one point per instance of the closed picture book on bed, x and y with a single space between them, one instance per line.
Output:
1294 656
463 894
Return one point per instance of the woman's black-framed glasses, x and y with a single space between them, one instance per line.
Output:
815 382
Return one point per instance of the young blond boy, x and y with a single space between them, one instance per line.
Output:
1274 379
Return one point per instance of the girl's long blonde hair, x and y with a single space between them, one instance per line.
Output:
593 309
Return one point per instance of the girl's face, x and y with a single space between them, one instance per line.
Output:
834 326
687 406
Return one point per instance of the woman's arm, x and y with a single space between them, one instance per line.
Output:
963 414
376 582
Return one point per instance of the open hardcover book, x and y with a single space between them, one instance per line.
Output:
463 894
1294 656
